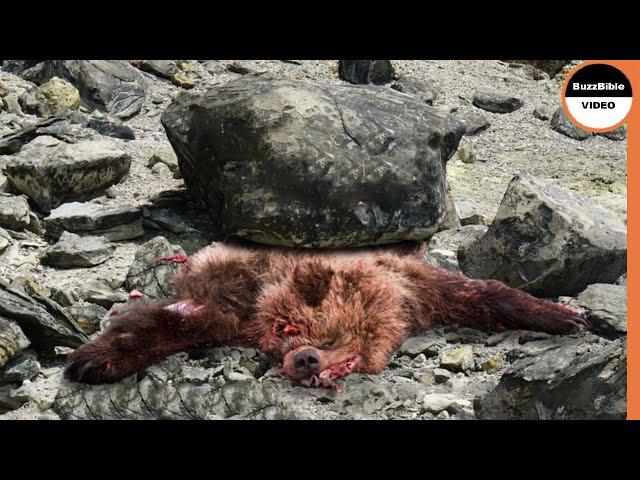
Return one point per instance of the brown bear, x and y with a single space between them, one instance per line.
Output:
320 316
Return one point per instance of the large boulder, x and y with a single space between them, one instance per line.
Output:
605 308
111 85
548 241
574 381
57 97
51 172
299 164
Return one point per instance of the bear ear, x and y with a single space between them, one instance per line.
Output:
312 280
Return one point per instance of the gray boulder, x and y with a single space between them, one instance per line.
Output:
366 71
113 221
561 123
572 382
425 90
497 102
474 122
73 251
299 164
15 213
605 308
548 241
51 172
43 321
152 277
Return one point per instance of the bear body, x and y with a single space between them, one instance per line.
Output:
319 315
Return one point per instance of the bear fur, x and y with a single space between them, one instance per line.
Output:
319 315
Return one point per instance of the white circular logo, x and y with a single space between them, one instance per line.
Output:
598 97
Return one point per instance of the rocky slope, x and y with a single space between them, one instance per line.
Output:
83 153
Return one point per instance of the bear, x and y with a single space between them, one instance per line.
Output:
318 315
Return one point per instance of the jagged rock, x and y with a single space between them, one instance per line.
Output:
56 97
12 340
497 102
101 293
605 307
87 315
15 213
43 321
573 381
107 125
349 181
51 172
458 360
113 221
21 368
151 277
161 68
441 257
618 134
425 90
366 71
167 220
111 85
166 157
56 127
428 344
474 122
73 251
548 241
560 123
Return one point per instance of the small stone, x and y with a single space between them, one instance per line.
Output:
15 213
183 81
428 344
87 315
441 375
366 71
474 121
12 340
12 104
167 157
459 359
543 111
100 293
475 219
496 102
427 378
440 257
161 170
467 155
618 134
21 368
561 123
492 364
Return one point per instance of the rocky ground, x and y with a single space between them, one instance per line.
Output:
122 171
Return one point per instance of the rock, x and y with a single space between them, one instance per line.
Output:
15 213
183 81
73 251
441 375
21 368
51 172
543 111
438 402
11 103
474 122
618 134
551 67
87 315
455 238
6 402
345 154
43 321
425 90
166 219
12 340
166 157
161 170
5 239
428 344
42 391
213 67
450 219
492 364
459 359
442 258
56 97
548 241
572 382
160 68
109 85
101 293
497 102
107 125
13 143
467 155
475 219
560 123
64 296
241 68
366 71
149 276
605 308
113 221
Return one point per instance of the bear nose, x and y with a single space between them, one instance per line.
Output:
307 361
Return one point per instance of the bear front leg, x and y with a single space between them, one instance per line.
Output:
142 335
